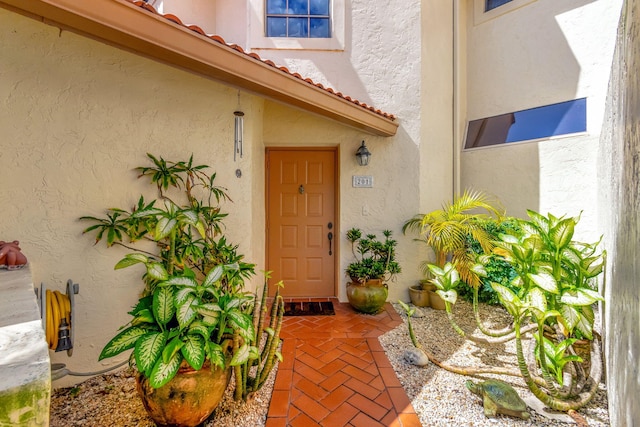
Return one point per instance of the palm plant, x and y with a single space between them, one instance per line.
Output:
446 231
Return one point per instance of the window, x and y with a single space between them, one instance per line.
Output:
492 4
542 122
298 18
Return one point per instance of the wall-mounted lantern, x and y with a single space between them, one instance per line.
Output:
363 155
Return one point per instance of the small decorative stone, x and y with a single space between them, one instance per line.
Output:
416 357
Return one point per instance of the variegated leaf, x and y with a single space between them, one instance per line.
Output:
193 351
163 307
186 311
562 233
164 227
580 297
216 355
121 342
143 316
451 296
544 280
240 356
163 372
537 303
131 259
200 328
157 271
570 316
209 309
181 295
214 275
181 281
148 350
171 348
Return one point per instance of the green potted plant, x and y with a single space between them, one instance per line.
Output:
193 319
446 232
375 264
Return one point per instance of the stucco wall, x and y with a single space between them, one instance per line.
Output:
76 117
542 53
619 208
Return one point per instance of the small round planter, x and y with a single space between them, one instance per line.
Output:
188 399
368 297
419 294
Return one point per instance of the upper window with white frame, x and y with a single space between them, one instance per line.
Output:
298 18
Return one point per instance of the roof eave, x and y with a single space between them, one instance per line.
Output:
123 24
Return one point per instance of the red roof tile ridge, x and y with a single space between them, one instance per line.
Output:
214 37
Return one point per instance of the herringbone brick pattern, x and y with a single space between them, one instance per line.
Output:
335 373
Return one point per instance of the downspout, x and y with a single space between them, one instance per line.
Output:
455 131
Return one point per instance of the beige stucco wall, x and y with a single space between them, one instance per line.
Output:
619 208
76 117
542 53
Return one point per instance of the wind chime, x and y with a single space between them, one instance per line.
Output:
238 132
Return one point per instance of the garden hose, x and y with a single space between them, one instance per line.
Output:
58 320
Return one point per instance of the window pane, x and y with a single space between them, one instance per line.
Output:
298 7
298 27
492 4
276 27
542 122
319 27
319 7
276 6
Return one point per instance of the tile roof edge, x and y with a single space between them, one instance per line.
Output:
255 57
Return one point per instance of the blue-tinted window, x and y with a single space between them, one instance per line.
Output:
298 18
492 4
541 122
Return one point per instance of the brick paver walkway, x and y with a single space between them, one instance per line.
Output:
335 373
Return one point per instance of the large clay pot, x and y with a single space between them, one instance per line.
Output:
187 399
368 297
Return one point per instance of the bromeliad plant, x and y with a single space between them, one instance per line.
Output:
193 306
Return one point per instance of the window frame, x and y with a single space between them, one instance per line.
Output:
258 39
496 124
308 17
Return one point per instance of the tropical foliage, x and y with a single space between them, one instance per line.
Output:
551 295
193 306
447 231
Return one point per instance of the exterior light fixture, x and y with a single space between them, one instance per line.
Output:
238 134
363 155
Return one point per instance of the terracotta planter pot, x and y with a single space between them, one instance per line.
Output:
419 296
368 297
186 400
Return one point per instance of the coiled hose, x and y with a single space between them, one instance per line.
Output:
58 318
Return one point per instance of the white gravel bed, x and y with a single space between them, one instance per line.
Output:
439 397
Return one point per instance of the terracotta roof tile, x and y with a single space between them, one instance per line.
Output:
255 56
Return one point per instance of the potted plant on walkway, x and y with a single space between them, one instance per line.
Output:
193 321
375 264
446 231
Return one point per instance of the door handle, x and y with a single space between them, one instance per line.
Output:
330 237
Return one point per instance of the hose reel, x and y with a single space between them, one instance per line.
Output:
57 312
